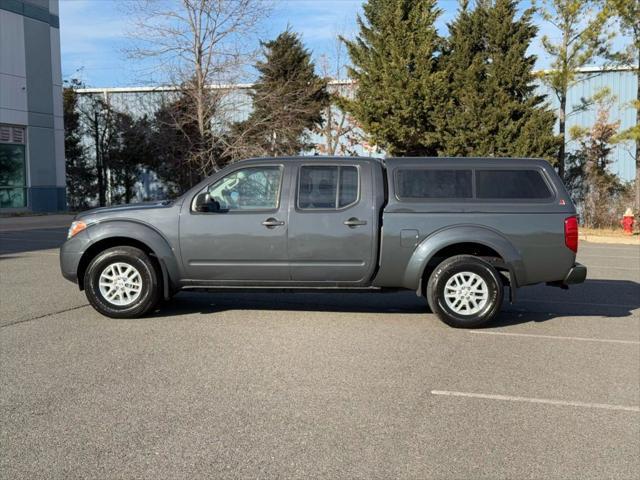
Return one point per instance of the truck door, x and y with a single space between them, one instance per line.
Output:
246 238
333 223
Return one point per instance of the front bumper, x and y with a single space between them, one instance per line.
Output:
577 274
69 262
71 253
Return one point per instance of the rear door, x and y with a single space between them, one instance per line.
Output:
333 223
246 241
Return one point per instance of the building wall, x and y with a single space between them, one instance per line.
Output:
31 101
622 84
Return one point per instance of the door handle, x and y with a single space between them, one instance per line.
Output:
272 222
354 222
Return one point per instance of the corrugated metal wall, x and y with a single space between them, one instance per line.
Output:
623 86
622 83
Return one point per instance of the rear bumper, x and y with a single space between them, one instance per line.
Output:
577 274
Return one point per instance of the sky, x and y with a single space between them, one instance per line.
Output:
94 35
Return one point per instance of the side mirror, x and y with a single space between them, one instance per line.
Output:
205 204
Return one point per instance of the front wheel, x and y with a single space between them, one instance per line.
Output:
465 291
122 282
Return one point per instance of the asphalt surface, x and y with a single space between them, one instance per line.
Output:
316 385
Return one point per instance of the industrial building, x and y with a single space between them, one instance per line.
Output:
32 168
621 82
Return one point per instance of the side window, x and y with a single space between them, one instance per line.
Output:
327 187
253 188
348 186
511 184
433 184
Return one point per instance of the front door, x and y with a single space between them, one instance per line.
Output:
246 238
332 224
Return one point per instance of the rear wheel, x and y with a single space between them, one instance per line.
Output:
122 282
465 291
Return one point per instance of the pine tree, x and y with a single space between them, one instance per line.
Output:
288 99
397 69
493 109
462 126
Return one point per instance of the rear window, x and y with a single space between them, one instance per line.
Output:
327 187
511 184
422 183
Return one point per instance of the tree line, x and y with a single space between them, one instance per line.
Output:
106 149
469 92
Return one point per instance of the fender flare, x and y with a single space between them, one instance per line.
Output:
143 233
440 239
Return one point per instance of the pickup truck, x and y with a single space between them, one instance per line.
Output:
457 231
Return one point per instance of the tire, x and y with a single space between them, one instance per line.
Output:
474 291
122 282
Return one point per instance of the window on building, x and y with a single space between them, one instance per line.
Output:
13 175
423 183
327 187
253 188
511 185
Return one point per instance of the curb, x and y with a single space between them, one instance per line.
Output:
632 240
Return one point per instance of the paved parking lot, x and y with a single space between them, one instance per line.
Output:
316 385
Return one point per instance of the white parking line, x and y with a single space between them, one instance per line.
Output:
637 269
38 240
595 280
557 337
586 304
28 253
623 257
485 396
608 246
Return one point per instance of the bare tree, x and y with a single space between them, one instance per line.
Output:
200 45
340 130
600 194
582 37
98 121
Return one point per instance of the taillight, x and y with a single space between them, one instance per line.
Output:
571 233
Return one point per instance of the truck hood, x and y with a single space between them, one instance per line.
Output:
125 208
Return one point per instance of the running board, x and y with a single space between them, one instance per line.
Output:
239 289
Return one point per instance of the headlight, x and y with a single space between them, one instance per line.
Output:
75 228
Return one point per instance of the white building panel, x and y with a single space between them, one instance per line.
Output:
13 94
13 117
56 68
57 100
54 7
60 163
12 59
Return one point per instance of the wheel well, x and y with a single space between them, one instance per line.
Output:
466 248
102 245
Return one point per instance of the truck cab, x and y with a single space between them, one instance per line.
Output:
300 222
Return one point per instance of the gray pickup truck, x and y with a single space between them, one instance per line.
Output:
456 231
